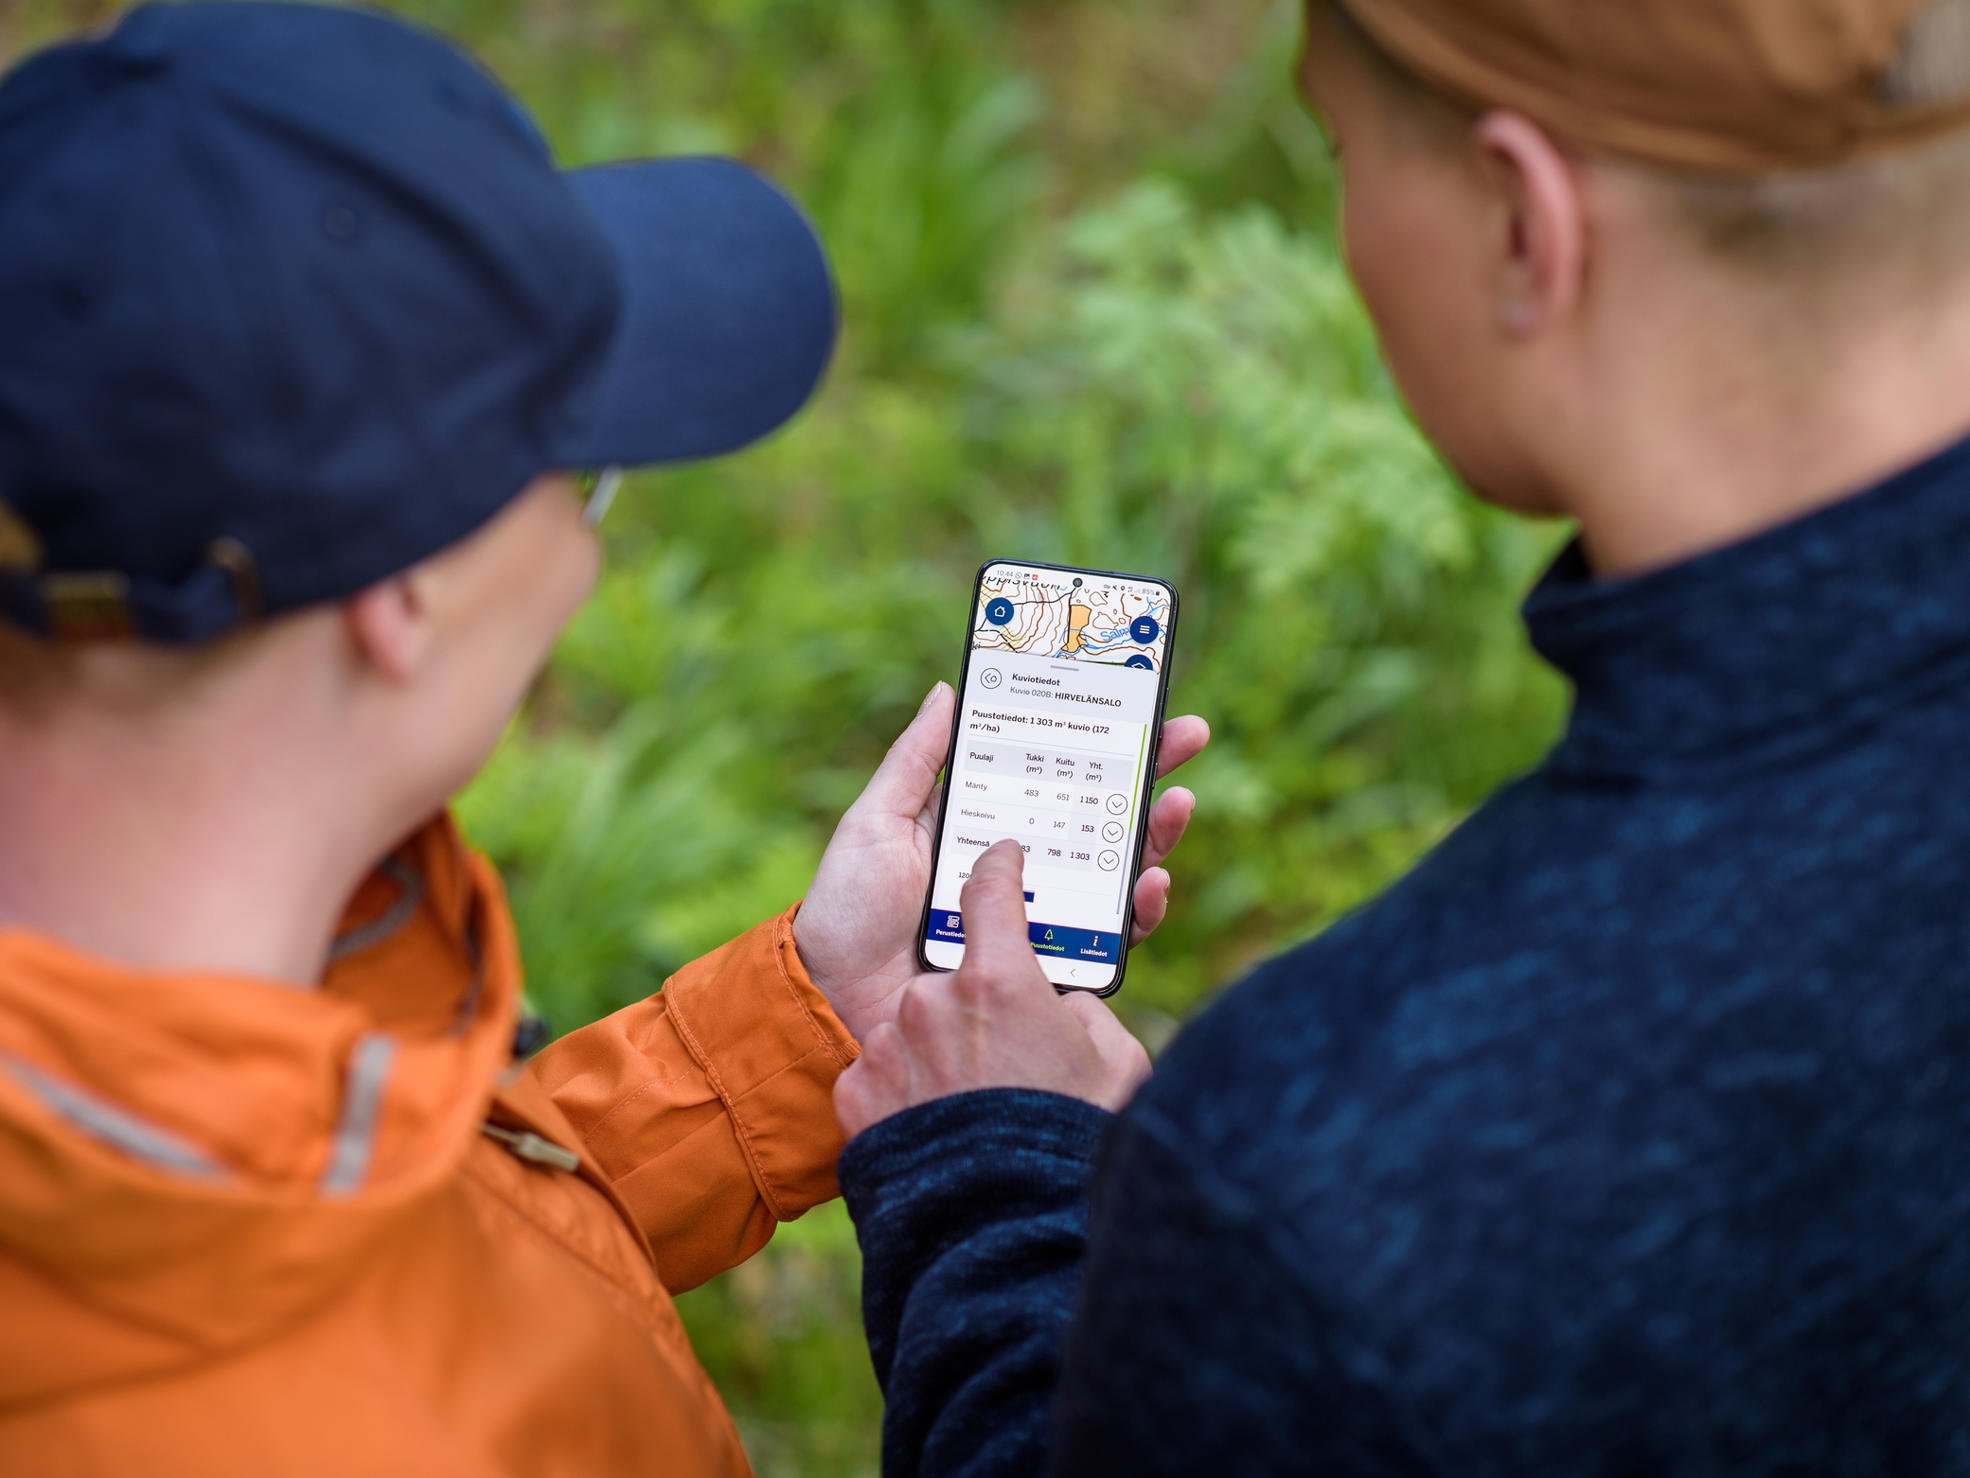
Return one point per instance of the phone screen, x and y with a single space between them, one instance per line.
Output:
1059 711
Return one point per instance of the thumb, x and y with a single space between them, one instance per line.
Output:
907 778
996 942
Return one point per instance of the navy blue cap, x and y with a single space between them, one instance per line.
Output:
293 297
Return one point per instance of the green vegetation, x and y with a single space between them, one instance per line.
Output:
1094 313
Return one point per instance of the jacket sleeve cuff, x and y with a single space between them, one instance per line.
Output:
771 1048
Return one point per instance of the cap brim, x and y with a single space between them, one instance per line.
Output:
729 312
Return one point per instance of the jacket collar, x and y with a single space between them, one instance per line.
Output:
206 1156
1769 646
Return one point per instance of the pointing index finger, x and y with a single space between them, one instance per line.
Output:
994 907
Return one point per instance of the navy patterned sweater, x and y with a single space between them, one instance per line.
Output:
1630 1134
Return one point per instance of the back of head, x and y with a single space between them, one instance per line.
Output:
1679 269
299 308
308 347
1904 212
1778 153
1719 87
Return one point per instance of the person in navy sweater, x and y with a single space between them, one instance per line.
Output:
1630 1134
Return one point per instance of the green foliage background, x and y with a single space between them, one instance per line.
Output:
1094 314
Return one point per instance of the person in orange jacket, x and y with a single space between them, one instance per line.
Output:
305 339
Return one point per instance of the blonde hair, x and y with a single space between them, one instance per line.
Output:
1909 207
1892 207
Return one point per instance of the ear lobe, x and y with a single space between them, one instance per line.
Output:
1539 273
390 627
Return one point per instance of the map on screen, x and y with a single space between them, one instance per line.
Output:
1119 623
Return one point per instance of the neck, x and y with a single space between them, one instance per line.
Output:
1720 437
172 858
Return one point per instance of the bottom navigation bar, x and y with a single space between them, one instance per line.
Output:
1056 941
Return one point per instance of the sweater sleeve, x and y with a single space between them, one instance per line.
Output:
1017 1329
972 1216
709 1105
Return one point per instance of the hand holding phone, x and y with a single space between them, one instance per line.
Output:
997 1023
1060 710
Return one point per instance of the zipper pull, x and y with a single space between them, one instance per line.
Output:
528 1146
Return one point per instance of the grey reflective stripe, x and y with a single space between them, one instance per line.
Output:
355 1135
411 897
113 1126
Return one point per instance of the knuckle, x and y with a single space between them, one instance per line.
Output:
899 752
988 984
916 1014
997 863
1091 1025
856 1113
971 985
850 1093
1005 985
1130 1066
980 886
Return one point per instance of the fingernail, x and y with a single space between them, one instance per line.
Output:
931 697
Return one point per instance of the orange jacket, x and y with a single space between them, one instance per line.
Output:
251 1229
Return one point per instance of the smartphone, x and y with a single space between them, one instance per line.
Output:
1060 709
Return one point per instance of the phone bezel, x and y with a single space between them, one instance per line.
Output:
1149 770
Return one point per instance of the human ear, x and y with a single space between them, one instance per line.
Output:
390 626
1539 253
